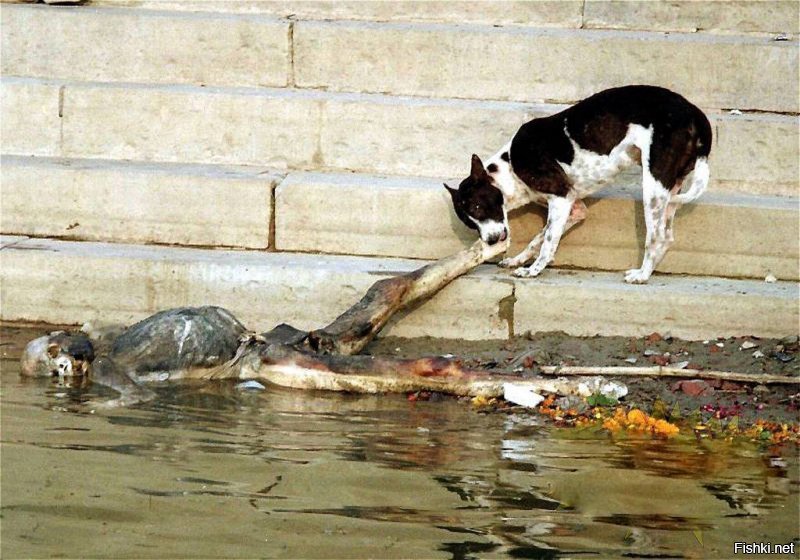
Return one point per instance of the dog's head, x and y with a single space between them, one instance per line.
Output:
479 204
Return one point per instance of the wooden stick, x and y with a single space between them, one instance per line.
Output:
350 332
659 371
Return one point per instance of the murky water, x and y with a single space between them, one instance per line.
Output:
210 471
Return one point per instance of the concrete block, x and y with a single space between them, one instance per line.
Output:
768 16
179 124
366 215
107 45
543 65
69 282
753 154
137 203
756 154
428 137
30 114
721 235
546 13
586 304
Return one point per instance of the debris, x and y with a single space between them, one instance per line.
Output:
631 359
681 365
598 385
650 352
770 279
783 357
760 390
758 354
747 345
695 388
734 112
781 37
720 345
520 395
250 386
653 337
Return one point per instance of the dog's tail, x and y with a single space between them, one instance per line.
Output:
699 182
700 143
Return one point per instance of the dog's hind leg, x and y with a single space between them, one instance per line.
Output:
559 210
576 216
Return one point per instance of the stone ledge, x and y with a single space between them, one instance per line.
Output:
69 282
101 200
720 235
302 129
108 44
748 73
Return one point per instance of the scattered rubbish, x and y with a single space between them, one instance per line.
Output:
448 356
250 386
758 354
770 279
631 359
520 395
650 352
734 112
747 345
720 344
680 365
781 37
783 357
653 337
777 462
599 385
694 388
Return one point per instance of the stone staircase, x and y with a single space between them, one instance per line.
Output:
277 157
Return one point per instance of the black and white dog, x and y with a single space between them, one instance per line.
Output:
558 160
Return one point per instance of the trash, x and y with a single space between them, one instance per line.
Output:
783 357
593 385
720 344
770 279
758 354
781 37
680 365
520 395
631 359
734 112
250 386
747 345
653 337
694 388
650 352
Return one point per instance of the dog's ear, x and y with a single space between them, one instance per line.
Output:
477 170
453 192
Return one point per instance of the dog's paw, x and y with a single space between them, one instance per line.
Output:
636 276
525 272
510 262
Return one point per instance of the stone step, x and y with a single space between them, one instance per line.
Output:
73 282
721 16
720 235
420 59
129 202
565 66
310 130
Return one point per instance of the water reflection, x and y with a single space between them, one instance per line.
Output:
208 470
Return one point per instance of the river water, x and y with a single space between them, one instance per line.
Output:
207 470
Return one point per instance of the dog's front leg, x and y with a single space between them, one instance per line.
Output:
558 213
526 254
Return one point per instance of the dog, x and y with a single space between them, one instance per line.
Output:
557 161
